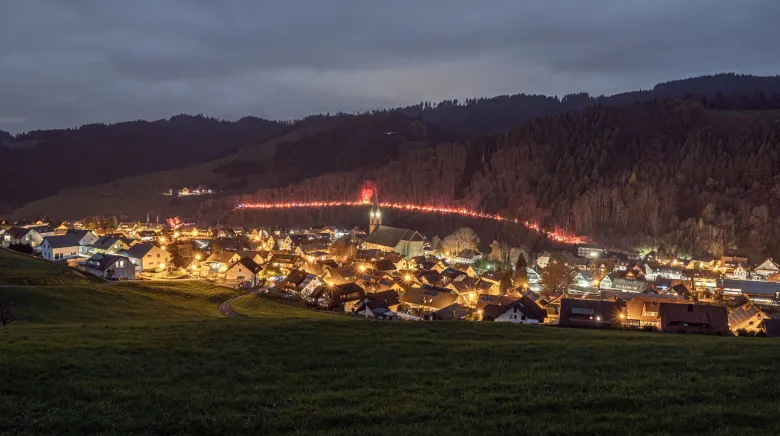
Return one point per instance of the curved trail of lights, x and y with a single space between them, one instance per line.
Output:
557 236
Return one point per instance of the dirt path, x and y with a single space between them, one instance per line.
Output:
226 309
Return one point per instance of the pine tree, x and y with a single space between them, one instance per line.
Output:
521 274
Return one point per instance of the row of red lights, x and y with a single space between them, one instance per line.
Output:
557 236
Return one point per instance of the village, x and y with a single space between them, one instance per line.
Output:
390 273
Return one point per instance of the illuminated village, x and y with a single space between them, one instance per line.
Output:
390 273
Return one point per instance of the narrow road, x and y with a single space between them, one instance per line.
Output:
226 309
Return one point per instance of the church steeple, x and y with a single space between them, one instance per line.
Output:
375 215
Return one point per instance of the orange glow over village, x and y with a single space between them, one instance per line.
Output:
555 235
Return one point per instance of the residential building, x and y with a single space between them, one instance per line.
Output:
767 268
515 312
108 245
344 297
468 256
590 250
110 266
5 238
244 271
747 317
26 236
428 298
758 292
86 237
589 313
147 257
60 247
693 318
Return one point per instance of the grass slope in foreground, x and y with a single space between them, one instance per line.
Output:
18 269
297 372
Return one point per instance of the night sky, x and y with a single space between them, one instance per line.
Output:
68 62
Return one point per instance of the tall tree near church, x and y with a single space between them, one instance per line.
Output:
521 274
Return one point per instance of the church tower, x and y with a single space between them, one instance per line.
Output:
375 215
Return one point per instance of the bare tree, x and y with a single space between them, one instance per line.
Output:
461 239
6 315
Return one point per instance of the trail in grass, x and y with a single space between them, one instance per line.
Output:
226 309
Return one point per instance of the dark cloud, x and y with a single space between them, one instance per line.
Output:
68 62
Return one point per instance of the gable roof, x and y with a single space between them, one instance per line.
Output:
430 297
294 279
384 265
105 242
19 232
79 233
249 264
138 251
103 261
715 316
62 241
743 313
454 311
387 236
221 256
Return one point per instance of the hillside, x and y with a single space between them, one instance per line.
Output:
697 176
350 142
315 146
279 375
43 162
155 357
483 116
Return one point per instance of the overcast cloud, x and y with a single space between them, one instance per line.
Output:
68 62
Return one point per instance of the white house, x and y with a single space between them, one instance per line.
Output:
739 273
110 266
60 247
663 271
514 312
147 257
767 268
20 235
468 256
584 279
86 237
5 239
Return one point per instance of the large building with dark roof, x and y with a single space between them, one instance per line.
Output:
407 243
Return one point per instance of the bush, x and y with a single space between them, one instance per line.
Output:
743 332
22 248
649 328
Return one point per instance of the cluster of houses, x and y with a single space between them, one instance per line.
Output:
392 273
185 191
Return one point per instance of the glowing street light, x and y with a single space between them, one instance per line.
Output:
362 268
197 257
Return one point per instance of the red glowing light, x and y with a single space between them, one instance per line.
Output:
367 192
556 235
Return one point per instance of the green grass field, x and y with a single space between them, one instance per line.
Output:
18 269
156 358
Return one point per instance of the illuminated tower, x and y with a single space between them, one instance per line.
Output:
374 216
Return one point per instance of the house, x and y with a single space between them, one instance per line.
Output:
86 237
147 257
109 266
644 311
584 279
44 230
628 285
513 311
244 271
5 238
428 298
468 256
21 235
590 250
381 305
60 247
344 297
285 261
767 268
108 245
747 317
147 235
728 263
739 273
300 282
338 276
693 318
220 261
590 313
666 272
453 312
385 265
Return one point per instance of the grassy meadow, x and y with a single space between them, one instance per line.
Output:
157 358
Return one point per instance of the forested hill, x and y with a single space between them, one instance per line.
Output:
42 162
698 175
5 136
481 116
